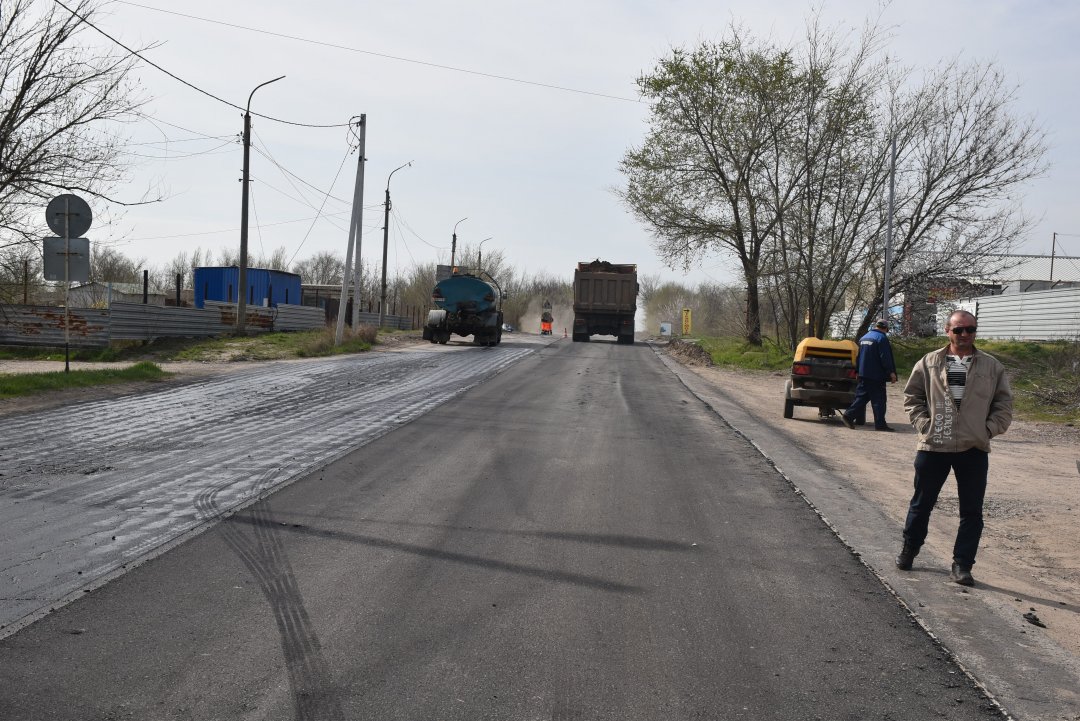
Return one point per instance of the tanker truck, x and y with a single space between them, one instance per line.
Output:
605 300
465 305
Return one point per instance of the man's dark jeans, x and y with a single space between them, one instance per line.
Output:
869 391
931 470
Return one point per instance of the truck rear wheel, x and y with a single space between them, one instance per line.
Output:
789 408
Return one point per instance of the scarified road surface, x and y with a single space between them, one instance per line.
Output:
88 489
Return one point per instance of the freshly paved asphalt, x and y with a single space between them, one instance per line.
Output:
579 537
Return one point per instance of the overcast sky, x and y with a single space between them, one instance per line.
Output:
530 160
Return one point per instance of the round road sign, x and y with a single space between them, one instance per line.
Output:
74 209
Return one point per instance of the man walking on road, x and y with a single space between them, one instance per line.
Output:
876 365
957 398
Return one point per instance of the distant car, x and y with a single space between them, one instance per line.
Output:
507 328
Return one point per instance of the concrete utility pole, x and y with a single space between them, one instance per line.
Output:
453 244
354 236
241 290
479 250
888 236
385 242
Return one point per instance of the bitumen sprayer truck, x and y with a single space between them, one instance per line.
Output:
605 300
465 305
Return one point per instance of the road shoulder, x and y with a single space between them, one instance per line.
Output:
1024 668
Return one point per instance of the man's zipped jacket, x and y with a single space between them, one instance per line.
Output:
875 356
985 411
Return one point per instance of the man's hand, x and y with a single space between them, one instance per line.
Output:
892 377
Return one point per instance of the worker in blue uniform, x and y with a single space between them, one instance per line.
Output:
876 367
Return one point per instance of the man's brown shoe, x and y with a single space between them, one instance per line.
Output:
960 574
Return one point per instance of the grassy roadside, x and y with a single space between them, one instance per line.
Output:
24 384
268 346
1045 376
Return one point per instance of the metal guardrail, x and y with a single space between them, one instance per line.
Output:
96 328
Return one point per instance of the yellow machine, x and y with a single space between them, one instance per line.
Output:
823 374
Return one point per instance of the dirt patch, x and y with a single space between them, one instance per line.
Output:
689 353
1030 552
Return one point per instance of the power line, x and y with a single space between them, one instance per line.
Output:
386 56
405 224
196 88
289 175
348 151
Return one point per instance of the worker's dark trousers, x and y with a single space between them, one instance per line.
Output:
868 391
931 470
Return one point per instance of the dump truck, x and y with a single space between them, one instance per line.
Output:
465 305
605 300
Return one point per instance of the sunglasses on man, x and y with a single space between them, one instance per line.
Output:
969 329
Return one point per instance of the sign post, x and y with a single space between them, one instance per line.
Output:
686 321
69 216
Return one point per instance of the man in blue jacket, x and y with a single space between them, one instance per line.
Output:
876 366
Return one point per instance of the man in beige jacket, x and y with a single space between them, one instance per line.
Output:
957 398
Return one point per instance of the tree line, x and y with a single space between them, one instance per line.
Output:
781 156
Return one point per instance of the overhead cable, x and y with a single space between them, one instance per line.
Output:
196 88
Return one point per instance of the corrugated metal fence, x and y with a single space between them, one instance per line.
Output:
92 327
1037 315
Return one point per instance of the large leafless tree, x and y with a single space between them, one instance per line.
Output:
63 100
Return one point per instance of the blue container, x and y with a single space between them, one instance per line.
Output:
265 287
464 293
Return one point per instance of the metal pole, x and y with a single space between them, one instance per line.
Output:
1053 247
479 251
386 241
241 291
67 284
354 225
889 234
453 244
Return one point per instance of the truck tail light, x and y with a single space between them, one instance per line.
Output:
853 374
800 369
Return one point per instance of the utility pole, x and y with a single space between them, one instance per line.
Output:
241 290
479 254
385 242
1053 248
354 236
453 244
888 236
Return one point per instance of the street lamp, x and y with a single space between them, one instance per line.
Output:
453 244
479 251
241 291
385 239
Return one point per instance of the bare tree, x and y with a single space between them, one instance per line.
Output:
111 266
323 268
20 274
61 107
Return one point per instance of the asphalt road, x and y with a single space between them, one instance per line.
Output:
577 537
